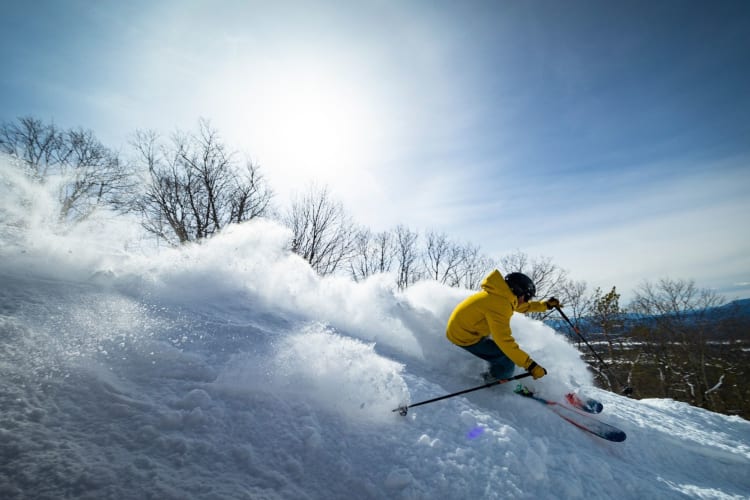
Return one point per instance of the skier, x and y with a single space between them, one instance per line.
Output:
481 324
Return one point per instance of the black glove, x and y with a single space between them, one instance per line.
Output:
552 303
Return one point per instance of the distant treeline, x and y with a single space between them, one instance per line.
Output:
675 341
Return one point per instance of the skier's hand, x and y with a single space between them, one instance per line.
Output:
536 370
552 303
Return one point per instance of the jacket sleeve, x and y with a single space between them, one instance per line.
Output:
534 306
499 323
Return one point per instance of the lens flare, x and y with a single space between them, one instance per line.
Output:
475 433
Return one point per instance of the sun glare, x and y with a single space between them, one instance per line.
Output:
316 124
314 117
306 121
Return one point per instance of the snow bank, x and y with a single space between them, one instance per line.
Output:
230 370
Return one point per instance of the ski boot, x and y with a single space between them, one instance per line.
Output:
523 390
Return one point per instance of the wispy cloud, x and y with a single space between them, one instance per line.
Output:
619 148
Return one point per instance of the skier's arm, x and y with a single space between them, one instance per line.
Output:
499 323
533 306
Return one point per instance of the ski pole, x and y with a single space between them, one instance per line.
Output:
402 410
627 390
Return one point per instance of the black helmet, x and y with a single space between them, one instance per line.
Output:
521 285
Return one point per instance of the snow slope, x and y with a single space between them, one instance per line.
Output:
230 370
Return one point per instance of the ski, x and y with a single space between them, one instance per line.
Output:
581 420
589 405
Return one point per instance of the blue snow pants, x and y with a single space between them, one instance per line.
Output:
501 367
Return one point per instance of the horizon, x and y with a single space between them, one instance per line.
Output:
610 138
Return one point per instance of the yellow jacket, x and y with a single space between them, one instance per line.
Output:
488 313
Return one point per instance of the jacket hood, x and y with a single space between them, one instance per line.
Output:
495 284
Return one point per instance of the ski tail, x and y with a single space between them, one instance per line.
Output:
589 424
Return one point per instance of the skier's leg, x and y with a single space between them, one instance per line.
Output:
501 367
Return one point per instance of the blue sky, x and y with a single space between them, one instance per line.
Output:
613 137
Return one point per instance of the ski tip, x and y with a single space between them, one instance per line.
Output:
616 437
588 405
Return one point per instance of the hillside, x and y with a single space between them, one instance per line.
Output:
230 370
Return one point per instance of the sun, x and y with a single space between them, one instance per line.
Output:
316 122
315 118
311 118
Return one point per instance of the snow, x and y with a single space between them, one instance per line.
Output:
230 370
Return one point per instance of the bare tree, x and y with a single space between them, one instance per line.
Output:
577 304
373 253
675 328
95 176
398 250
250 195
195 187
548 277
407 257
443 259
89 174
164 205
474 267
322 232
573 296
36 143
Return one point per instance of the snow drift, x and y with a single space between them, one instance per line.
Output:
229 369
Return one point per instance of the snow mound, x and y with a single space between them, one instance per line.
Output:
228 369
